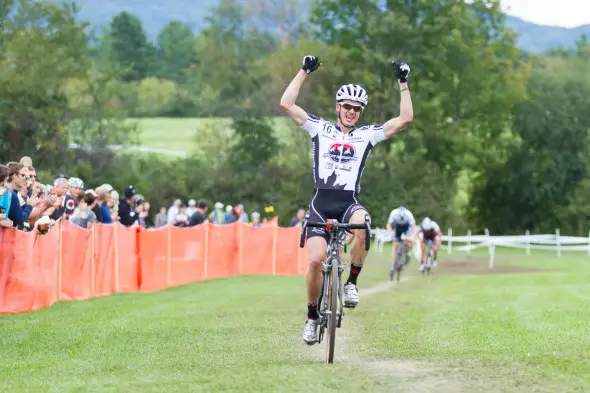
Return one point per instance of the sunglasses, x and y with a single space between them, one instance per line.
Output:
356 108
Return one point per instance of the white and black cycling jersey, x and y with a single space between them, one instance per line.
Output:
339 158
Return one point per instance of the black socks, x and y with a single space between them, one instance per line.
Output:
355 270
312 311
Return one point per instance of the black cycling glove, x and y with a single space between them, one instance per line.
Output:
402 71
310 64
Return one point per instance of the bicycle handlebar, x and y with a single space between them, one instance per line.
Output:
334 227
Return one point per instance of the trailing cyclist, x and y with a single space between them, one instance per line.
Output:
340 152
401 222
430 232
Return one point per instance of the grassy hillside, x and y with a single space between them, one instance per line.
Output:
181 134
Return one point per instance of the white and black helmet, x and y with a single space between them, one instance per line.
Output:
352 92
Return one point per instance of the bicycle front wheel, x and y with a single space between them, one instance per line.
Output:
333 312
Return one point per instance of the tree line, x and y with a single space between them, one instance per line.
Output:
499 138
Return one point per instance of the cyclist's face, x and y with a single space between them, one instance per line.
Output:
349 112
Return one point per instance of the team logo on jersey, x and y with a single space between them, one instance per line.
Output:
341 152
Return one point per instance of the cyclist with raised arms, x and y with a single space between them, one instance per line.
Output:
340 152
430 232
401 221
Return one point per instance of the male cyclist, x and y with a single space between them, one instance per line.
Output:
401 221
430 231
340 152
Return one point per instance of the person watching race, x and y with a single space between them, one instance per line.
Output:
401 221
430 232
340 152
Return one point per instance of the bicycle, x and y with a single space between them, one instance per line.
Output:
396 269
429 260
330 307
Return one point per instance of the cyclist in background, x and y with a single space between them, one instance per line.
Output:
430 231
401 221
340 150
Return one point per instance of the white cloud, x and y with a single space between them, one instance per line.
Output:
566 13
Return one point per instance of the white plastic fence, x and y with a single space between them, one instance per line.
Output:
527 242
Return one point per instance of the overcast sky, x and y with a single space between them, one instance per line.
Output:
566 13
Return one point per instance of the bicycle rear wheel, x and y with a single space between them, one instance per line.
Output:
332 312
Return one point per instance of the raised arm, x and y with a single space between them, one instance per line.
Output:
298 115
406 110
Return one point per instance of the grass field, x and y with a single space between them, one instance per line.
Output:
180 134
521 328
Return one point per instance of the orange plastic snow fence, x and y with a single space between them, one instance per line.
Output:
72 263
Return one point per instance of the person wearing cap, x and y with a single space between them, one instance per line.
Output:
191 209
76 186
173 211
127 214
217 216
230 217
256 219
243 216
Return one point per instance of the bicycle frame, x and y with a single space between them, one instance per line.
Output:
330 304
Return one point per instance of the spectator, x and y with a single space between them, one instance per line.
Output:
173 211
161 218
298 218
140 211
243 216
5 197
256 219
44 206
199 216
16 179
126 207
217 216
181 219
113 204
85 217
104 215
191 209
230 217
66 204
76 187
148 219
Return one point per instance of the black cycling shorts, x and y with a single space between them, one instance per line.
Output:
331 204
400 229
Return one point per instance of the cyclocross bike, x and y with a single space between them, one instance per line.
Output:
429 258
396 269
330 307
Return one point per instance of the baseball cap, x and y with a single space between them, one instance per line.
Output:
129 191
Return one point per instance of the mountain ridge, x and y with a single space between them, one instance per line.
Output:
155 14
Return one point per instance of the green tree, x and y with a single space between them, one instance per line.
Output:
42 47
537 185
175 51
231 60
129 47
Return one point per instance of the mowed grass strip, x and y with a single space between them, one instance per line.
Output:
451 332
488 332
